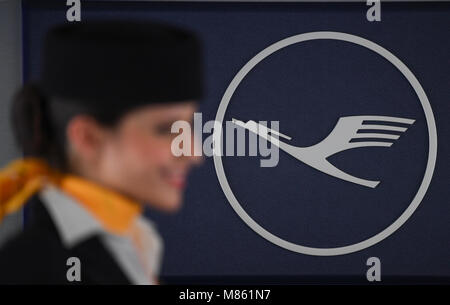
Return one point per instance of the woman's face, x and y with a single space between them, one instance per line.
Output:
136 158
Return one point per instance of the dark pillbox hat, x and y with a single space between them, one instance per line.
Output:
116 65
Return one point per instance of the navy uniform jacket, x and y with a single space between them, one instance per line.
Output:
39 254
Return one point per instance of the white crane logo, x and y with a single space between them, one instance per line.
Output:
349 132
340 139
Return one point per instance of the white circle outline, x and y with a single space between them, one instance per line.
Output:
432 140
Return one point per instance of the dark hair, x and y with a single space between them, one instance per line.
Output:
39 124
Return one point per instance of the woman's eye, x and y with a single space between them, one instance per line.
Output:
166 128
163 130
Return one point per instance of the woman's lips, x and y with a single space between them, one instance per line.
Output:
176 179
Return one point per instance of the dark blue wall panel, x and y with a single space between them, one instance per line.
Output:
306 87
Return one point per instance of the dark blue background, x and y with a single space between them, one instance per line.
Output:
307 87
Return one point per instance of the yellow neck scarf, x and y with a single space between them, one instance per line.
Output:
22 178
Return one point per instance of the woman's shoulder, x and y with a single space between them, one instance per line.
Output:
37 255
32 255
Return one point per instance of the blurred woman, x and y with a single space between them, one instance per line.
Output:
95 131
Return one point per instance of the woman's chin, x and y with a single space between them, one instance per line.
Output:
169 204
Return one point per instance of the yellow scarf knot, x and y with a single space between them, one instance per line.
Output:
20 179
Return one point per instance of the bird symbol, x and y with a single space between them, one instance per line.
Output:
340 139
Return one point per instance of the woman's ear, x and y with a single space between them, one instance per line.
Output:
85 136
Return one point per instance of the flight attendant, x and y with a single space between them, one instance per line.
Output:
95 131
